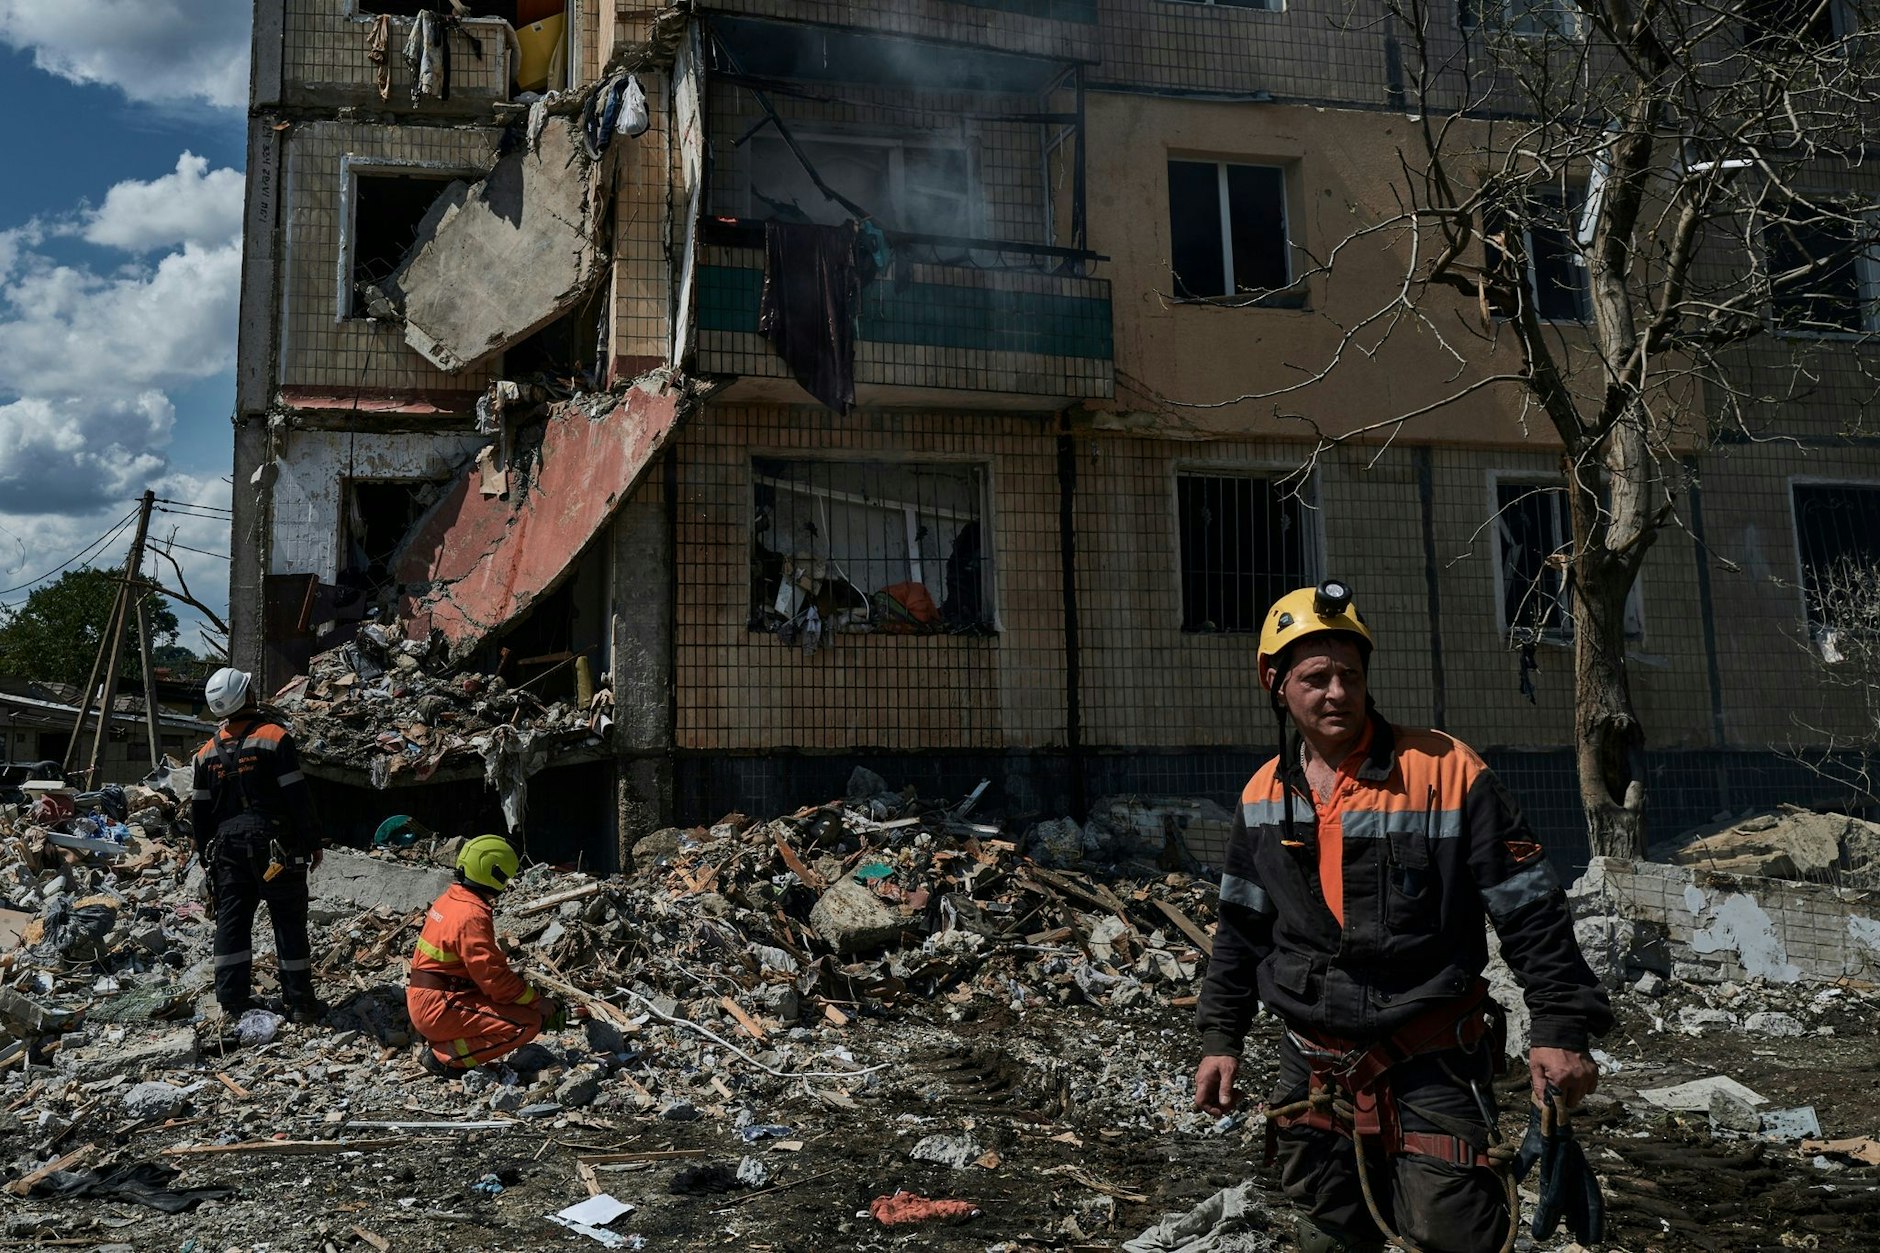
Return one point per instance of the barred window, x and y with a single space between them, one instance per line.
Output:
860 546
1533 547
1245 542
1837 533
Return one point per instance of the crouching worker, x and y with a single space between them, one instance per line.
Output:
464 998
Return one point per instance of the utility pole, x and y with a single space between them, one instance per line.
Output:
111 648
150 675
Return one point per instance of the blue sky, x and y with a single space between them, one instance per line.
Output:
119 257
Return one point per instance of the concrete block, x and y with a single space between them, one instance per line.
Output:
178 1048
496 261
354 881
850 919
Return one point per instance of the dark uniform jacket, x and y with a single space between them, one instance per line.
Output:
271 794
1432 843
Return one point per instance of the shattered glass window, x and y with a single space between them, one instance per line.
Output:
1245 542
1227 220
1533 546
1531 18
1556 275
387 212
1820 272
899 547
907 184
1837 530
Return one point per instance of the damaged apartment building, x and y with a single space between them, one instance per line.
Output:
768 387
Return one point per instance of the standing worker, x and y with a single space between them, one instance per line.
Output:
253 828
1363 861
464 997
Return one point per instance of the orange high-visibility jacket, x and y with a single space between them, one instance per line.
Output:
459 941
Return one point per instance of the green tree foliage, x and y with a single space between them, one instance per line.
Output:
53 637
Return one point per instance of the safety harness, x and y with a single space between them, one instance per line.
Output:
1350 1093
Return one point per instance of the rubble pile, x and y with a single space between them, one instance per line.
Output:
393 708
754 991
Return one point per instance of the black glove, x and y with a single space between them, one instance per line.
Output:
1569 1190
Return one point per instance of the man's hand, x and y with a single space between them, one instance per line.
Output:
554 1014
1575 1074
1214 1085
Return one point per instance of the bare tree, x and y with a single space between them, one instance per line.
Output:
1601 207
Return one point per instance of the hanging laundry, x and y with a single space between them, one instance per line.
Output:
813 280
618 108
427 56
378 40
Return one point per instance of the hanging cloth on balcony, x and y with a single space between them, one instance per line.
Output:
813 280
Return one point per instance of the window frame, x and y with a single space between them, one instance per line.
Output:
1312 518
1843 21
351 169
1819 634
1469 21
1866 284
1576 257
1289 295
1540 480
897 144
992 617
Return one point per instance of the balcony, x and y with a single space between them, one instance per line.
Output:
1060 30
979 335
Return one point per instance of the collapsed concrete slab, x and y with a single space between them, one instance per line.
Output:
476 562
351 881
497 260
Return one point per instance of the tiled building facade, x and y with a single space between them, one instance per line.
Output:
1025 362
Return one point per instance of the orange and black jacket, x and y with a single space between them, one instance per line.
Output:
270 794
1421 841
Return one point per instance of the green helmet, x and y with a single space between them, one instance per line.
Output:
488 861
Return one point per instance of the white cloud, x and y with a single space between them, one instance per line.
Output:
91 357
193 205
151 50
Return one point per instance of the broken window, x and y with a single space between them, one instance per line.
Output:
1556 276
1521 17
1269 5
1227 221
908 184
1781 25
1837 531
379 514
1245 542
387 210
1533 546
1822 272
900 547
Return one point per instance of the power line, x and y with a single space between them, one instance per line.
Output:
169 544
190 504
87 551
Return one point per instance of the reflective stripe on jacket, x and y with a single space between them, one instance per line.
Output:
1432 843
271 786
459 940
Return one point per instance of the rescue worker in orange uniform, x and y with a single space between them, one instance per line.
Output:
1363 863
464 998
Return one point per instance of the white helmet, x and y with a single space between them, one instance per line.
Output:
227 691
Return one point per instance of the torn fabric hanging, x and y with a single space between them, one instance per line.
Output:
813 280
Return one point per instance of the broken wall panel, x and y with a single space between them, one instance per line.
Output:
313 470
322 347
498 260
477 562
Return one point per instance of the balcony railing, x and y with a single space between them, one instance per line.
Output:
947 321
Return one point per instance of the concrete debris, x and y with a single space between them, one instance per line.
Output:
1233 1220
1732 1112
497 260
1774 1024
956 1152
1786 842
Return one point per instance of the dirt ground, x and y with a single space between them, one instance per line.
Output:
1085 1139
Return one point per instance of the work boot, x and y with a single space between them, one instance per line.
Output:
428 1059
307 1013
1317 1237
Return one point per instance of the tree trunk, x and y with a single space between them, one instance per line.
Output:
1607 733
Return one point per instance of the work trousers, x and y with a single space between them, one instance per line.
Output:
238 865
467 1028
1440 1206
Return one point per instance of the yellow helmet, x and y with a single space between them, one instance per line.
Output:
1307 612
489 862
